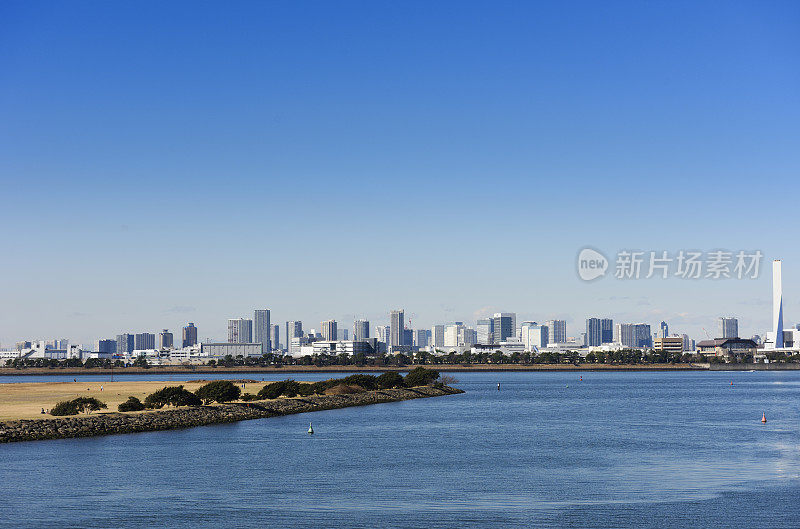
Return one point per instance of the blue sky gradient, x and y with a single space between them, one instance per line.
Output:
191 161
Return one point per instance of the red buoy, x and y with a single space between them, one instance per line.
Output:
763 417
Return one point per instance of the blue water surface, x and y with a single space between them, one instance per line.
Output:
664 449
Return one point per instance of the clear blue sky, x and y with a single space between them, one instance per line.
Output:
164 162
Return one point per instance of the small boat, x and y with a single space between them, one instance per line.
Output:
310 429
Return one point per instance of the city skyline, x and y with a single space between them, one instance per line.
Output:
401 122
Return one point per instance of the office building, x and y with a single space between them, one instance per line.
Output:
664 330
275 338
606 331
383 333
437 336
261 328
221 350
485 329
728 328
673 345
777 304
342 334
534 336
397 328
125 343
106 346
408 337
294 329
593 332
422 337
635 335
144 340
240 331
504 326
360 330
189 335
557 330
328 330
165 340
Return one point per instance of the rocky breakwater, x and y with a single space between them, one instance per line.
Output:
187 417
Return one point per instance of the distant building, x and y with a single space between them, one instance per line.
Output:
408 337
294 329
165 339
688 343
338 347
504 326
144 340
485 328
240 331
593 332
360 330
557 330
274 337
534 336
329 330
727 347
437 336
261 329
341 334
383 333
221 350
635 335
664 330
728 328
107 346
189 335
458 335
397 328
606 331
422 337
672 345
125 343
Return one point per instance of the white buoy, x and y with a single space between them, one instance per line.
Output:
498 386
310 429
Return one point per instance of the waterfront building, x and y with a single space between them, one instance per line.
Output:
189 335
727 347
125 343
777 305
728 328
593 332
437 336
294 329
397 328
557 330
240 330
328 330
261 328
144 340
485 328
165 339
504 326
606 331
337 347
360 330
636 335
221 350
534 336
106 346
274 337
666 344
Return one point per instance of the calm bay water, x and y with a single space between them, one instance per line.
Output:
615 450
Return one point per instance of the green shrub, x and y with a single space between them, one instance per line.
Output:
365 381
389 380
219 391
420 377
173 395
246 397
75 406
132 404
66 407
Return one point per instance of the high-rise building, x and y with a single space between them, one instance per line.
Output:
274 337
107 346
397 328
294 329
261 326
437 336
144 340
451 334
728 328
125 343
534 336
486 331
593 332
408 336
328 330
777 304
664 330
634 335
165 339
422 337
557 330
341 334
189 335
504 326
240 330
606 331
360 330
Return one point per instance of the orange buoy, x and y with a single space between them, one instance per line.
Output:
731 383
763 417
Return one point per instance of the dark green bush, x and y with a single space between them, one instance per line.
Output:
66 407
75 406
219 391
173 395
365 381
246 397
390 379
420 377
132 404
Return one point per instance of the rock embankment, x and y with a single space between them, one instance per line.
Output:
150 421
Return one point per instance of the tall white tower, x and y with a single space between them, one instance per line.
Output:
777 303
